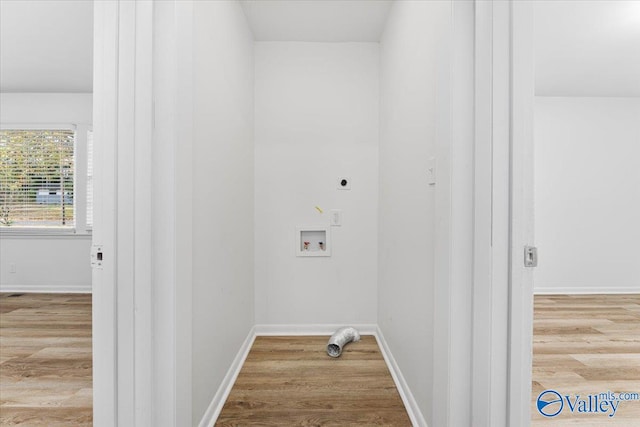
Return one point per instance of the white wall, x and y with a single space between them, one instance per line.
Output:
409 70
48 263
46 108
587 194
316 119
45 264
223 296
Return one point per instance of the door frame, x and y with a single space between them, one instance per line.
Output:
142 223
521 218
113 318
122 306
503 213
104 304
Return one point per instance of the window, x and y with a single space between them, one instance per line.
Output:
89 180
37 178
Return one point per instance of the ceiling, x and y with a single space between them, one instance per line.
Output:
317 21
587 48
46 46
583 48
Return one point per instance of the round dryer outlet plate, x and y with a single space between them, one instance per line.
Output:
344 183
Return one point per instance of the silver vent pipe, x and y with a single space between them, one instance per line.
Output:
340 338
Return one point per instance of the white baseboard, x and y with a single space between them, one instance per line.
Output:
213 411
410 404
572 290
47 288
312 329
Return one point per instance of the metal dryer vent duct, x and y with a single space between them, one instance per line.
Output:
340 338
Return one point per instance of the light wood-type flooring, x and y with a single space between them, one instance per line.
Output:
45 360
582 345
291 381
586 344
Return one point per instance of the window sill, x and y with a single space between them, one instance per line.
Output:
34 233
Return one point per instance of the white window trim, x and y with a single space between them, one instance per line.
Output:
30 233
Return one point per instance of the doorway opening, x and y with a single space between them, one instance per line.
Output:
586 205
46 212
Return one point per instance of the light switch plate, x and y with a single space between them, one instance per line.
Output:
336 217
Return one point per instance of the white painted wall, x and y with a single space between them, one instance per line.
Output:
223 189
45 263
316 119
408 114
48 263
46 108
587 194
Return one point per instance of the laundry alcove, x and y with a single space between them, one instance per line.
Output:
289 97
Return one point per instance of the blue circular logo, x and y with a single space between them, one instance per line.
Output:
550 403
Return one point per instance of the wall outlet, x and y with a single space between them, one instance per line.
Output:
12 268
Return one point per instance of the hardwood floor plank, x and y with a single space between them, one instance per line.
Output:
587 344
45 360
289 381
631 360
47 416
318 418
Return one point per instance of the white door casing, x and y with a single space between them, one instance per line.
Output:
521 214
503 200
123 305
103 235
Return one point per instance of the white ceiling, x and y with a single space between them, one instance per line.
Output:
583 48
46 45
587 48
317 20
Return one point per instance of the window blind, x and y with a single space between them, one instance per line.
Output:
36 178
89 180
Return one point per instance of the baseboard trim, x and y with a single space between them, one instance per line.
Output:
568 290
215 407
410 404
46 288
312 329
